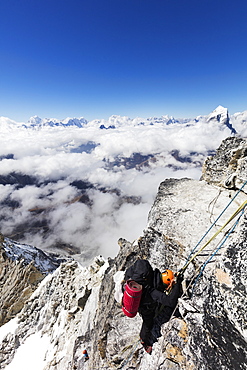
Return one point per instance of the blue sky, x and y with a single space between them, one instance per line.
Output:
127 57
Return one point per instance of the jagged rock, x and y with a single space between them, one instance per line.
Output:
74 307
53 313
1 238
83 300
229 166
22 268
17 284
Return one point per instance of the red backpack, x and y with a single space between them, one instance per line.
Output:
131 298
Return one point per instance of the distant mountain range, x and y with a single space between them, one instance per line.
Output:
235 122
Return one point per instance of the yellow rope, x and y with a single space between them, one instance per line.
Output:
240 208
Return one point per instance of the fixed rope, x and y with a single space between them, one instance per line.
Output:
240 208
217 219
216 250
130 356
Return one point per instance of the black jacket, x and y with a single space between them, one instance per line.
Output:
157 291
153 290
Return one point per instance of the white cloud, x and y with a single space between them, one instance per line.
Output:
69 220
51 155
28 197
5 191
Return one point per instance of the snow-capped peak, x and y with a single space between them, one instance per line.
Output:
18 251
220 114
37 122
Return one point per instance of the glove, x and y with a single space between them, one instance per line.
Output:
179 278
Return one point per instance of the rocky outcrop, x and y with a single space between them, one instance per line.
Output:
74 308
18 282
228 165
59 313
22 268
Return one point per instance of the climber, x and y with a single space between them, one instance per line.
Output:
159 291
85 355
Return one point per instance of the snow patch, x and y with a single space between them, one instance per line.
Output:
8 328
31 354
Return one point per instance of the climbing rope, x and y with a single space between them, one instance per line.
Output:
216 250
212 204
162 345
202 267
212 225
240 208
130 356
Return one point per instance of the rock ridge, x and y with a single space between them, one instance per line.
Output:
22 268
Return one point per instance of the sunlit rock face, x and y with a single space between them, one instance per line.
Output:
228 167
74 308
22 268
58 313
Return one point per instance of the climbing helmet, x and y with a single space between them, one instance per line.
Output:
167 277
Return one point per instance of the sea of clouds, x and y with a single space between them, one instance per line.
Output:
57 156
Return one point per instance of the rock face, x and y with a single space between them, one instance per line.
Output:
56 316
228 165
22 268
74 308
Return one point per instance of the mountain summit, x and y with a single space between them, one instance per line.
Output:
220 114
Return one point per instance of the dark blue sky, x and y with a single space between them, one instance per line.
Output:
143 58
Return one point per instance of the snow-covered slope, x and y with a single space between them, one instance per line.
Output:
69 297
21 252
